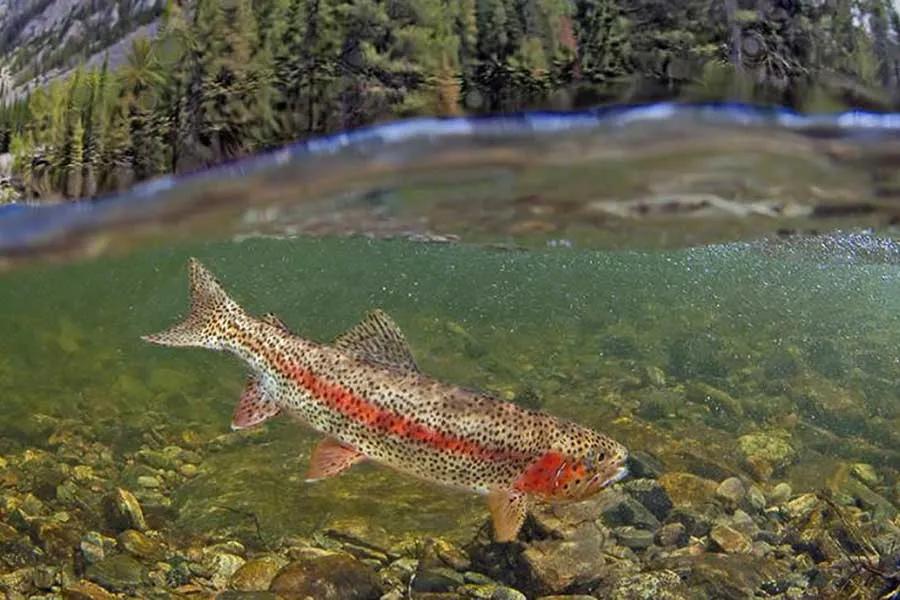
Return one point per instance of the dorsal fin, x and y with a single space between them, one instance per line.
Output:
377 339
275 321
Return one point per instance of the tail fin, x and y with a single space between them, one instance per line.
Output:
211 311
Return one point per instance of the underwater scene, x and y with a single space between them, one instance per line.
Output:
724 408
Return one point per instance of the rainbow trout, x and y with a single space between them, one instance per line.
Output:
365 393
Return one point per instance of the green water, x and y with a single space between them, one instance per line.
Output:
797 345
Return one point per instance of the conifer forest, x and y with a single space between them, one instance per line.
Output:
220 79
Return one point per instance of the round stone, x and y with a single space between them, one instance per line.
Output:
731 490
780 493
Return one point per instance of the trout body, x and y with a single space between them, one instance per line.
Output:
366 394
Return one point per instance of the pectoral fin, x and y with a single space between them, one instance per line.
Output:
331 457
508 509
253 408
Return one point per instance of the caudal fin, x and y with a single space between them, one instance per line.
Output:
211 312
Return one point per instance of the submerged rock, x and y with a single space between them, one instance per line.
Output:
726 576
688 490
438 579
672 534
618 509
780 493
766 451
719 402
696 524
85 590
328 577
118 573
139 545
801 506
256 574
491 592
123 511
563 547
730 540
221 567
95 546
755 498
731 490
634 538
866 473
659 585
651 495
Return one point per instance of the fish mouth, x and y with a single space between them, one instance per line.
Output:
619 474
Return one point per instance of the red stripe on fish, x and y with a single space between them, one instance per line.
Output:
362 411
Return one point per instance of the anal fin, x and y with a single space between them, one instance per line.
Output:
331 457
508 509
253 408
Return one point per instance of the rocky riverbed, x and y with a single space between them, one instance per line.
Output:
82 521
764 437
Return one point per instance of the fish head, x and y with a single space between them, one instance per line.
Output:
603 464
576 468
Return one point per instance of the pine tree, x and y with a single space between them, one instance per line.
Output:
174 45
141 79
74 166
95 116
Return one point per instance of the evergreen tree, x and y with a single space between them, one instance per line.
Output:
174 45
95 116
141 80
74 166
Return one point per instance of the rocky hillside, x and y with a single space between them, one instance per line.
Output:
42 39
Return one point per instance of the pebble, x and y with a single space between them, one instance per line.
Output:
117 573
327 577
489 592
618 508
801 506
222 566
44 577
650 494
477 578
83 473
148 481
744 523
137 544
730 540
123 511
688 489
672 534
159 460
866 473
731 490
755 498
95 546
780 493
634 538
438 579
85 590
256 574
188 470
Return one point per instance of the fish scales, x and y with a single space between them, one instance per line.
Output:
366 394
421 426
